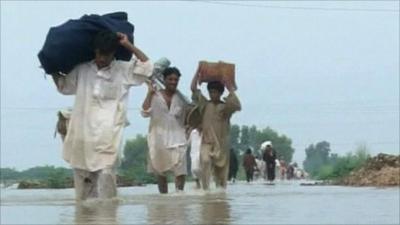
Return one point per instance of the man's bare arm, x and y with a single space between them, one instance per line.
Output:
124 41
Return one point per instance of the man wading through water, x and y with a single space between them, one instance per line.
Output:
101 89
167 138
215 116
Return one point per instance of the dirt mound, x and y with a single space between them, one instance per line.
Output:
381 170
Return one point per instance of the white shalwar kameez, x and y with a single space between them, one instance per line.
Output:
99 115
166 139
195 144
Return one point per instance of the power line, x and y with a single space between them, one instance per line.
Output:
269 111
297 7
353 143
50 108
274 106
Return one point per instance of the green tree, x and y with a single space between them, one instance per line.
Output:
43 172
351 161
361 153
316 157
253 137
244 138
133 164
9 174
46 176
59 178
283 147
281 143
234 134
322 164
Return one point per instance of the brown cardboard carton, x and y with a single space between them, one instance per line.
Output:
217 71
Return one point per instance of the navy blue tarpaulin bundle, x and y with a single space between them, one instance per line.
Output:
71 43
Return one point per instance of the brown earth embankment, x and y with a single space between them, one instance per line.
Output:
381 170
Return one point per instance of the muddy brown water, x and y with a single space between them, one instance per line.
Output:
286 202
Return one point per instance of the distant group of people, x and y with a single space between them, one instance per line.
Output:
266 166
250 163
101 88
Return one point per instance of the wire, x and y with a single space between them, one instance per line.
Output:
352 143
47 108
311 106
298 7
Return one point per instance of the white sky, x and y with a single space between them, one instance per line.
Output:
330 73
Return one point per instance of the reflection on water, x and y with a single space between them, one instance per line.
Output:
205 208
97 212
241 203
167 211
215 210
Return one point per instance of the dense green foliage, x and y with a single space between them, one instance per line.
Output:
59 178
133 166
134 162
38 173
9 174
322 164
50 176
317 156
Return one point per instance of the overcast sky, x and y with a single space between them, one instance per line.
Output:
312 71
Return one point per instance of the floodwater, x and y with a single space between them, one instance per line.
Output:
286 202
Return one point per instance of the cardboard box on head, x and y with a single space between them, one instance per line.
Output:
217 71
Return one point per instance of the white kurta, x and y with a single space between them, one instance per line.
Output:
99 113
166 140
195 144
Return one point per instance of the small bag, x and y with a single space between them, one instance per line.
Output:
62 122
194 117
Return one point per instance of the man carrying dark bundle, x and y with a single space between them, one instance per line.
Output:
101 89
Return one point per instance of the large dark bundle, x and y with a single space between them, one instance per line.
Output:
71 43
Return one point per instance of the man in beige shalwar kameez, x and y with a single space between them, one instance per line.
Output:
215 124
101 89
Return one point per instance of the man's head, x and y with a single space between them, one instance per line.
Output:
215 90
105 45
266 145
171 78
248 151
269 148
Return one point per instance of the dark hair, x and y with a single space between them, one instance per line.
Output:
106 42
171 70
248 151
216 85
